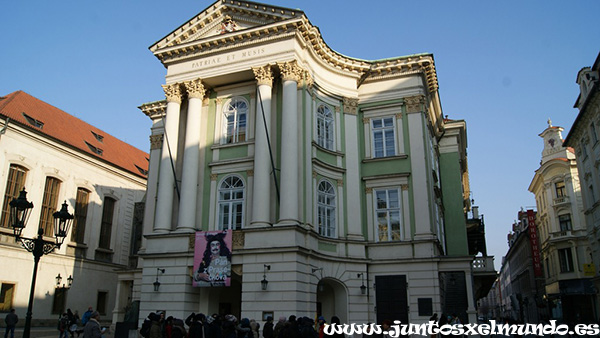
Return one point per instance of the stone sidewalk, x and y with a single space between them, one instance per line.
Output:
43 332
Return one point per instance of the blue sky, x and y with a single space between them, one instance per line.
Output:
503 66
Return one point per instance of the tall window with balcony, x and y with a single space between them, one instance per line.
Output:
325 127
49 205
384 144
108 210
565 258
565 222
81 207
326 209
387 212
231 203
560 189
235 113
14 184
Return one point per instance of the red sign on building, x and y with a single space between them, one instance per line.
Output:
535 248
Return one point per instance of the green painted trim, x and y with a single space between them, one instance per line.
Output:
324 246
326 157
233 152
454 220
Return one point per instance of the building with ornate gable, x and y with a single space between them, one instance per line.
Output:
57 157
564 246
343 185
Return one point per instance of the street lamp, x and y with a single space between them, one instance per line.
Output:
20 210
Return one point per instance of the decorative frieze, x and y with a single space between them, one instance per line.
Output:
350 105
195 89
156 142
414 104
172 92
263 75
291 71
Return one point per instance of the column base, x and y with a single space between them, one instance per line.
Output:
259 224
286 222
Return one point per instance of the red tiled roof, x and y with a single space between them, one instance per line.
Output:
74 132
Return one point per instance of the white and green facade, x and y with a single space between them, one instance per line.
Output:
372 181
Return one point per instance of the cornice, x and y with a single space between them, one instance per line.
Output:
284 23
154 110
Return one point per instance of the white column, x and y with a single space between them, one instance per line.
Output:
291 74
166 177
261 200
191 157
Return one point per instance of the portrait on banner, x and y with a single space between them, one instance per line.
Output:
212 258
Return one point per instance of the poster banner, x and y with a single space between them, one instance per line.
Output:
212 259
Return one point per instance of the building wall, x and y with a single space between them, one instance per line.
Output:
44 157
285 233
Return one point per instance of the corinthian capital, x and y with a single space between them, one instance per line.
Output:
290 71
263 75
195 89
350 105
414 104
172 92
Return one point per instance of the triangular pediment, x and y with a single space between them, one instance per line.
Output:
226 17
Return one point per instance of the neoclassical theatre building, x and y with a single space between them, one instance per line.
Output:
342 184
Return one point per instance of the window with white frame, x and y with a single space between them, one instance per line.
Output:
231 203
326 209
235 114
383 137
387 214
565 257
325 127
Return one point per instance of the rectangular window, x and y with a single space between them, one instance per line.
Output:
566 260
14 184
7 292
383 137
81 206
108 210
565 222
49 205
101 302
387 213
560 189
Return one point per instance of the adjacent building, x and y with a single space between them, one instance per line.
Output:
527 292
583 137
58 158
344 188
565 249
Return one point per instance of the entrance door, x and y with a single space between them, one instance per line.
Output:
391 298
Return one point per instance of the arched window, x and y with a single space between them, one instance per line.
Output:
326 209
231 203
235 113
325 127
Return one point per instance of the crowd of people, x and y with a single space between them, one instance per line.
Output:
228 326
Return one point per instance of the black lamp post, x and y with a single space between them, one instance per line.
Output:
264 282
157 283
19 213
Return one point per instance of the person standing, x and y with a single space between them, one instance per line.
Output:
11 321
268 328
92 327
86 316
